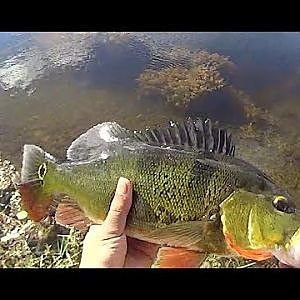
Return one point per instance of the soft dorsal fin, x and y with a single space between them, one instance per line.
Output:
95 142
191 135
196 135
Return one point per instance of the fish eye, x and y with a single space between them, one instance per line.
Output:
42 171
282 204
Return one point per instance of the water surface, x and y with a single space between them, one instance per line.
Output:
54 86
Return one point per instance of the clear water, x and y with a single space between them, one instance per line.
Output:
54 86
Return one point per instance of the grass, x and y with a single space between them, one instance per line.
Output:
18 251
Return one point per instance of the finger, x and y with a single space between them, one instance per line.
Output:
284 266
100 251
115 221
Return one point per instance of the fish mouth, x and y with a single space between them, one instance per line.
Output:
289 254
34 201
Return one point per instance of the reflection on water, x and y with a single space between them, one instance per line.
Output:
54 86
40 54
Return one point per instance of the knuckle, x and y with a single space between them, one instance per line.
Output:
121 197
112 230
118 211
120 203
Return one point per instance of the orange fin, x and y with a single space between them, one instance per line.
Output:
70 214
169 257
257 255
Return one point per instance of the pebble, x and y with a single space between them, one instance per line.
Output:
22 215
206 264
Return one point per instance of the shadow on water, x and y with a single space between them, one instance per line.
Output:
263 58
208 106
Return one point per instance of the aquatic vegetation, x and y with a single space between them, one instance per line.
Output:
252 112
180 75
248 130
179 85
275 154
184 76
287 169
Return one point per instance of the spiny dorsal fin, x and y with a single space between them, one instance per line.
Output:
101 140
197 135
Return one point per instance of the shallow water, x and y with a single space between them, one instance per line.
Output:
55 86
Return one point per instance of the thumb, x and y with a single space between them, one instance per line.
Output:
115 221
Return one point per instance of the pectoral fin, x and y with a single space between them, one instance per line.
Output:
70 214
185 234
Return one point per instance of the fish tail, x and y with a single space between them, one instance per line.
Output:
34 165
35 200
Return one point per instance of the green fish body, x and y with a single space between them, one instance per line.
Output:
181 176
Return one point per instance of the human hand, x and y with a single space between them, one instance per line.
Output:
107 246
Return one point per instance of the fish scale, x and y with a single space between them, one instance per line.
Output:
182 195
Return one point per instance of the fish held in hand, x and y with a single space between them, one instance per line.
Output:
191 195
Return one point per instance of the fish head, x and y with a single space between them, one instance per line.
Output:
37 175
36 178
259 226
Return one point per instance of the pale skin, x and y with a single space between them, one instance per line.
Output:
107 246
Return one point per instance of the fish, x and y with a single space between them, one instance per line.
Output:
191 195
